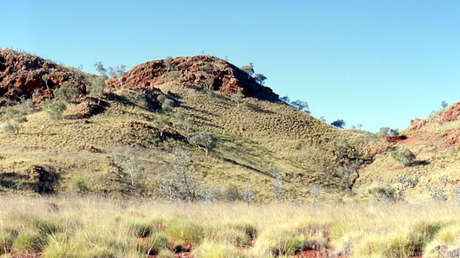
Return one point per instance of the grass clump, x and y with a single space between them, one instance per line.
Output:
209 249
143 229
405 243
29 242
153 244
290 239
6 241
184 232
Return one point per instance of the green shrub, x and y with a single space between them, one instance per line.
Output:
404 156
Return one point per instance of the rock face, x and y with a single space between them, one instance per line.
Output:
452 113
22 75
195 71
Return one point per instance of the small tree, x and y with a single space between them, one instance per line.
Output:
185 122
203 140
404 156
237 97
168 63
384 131
182 184
444 104
167 104
96 88
301 105
285 99
278 192
260 78
162 123
130 165
15 117
54 109
249 69
338 123
100 68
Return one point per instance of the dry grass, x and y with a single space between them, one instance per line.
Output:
94 227
253 139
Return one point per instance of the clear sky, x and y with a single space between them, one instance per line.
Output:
378 63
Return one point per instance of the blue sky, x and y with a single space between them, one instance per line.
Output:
377 63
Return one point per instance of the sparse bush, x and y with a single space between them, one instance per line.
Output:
67 92
404 156
237 97
54 108
204 140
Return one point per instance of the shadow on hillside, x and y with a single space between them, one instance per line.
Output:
419 163
257 109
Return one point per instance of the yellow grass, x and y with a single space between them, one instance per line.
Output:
95 227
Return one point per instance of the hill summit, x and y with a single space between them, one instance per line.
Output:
194 71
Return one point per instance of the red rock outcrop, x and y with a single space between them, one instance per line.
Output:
452 113
195 71
22 75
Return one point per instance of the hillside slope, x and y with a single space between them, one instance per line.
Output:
435 141
256 137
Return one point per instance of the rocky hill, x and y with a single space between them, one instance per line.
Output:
179 115
435 172
22 75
